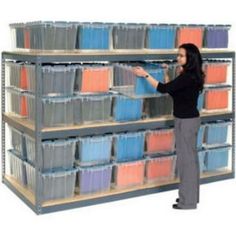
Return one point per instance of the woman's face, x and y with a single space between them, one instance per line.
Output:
181 57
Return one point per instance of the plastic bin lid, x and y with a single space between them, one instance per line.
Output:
38 23
162 130
210 25
130 134
76 23
123 97
95 66
223 26
195 25
182 25
93 96
15 90
96 138
60 173
219 148
59 68
217 62
15 154
137 162
97 167
60 142
215 87
17 25
162 24
100 24
63 24
12 63
162 157
29 94
57 99
219 122
92 25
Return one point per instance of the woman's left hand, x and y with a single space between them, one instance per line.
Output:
139 71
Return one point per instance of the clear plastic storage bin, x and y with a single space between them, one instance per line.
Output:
94 150
56 80
190 34
92 108
160 141
55 185
128 146
216 132
17 141
57 111
160 169
127 109
17 167
17 102
127 83
216 36
129 174
93 79
158 106
161 36
17 35
51 35
216 98
94 36
215 72
94 179
14 75
217 158
129 36
56 154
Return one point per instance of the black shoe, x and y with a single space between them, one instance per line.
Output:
175 206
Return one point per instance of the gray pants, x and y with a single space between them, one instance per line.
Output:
186 131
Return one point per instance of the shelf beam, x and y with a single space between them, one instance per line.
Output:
103 128
111 56
113 195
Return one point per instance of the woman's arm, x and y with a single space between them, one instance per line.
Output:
139 71
169 87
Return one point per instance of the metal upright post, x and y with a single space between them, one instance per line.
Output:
38 135
234 110
3 123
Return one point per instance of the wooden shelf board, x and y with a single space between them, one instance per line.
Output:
30 196
79 52
23 190
28 124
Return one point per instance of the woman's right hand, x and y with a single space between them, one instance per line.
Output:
139 71
165 66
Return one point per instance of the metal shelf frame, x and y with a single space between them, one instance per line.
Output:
40 133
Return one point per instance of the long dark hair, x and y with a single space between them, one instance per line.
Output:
194 63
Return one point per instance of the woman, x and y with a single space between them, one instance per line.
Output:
184 90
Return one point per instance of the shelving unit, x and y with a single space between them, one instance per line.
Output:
40 133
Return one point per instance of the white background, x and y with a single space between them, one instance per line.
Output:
150 214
